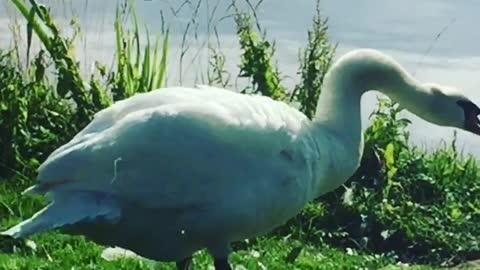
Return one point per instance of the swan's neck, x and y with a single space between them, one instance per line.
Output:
338 117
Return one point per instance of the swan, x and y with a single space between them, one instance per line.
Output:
172 171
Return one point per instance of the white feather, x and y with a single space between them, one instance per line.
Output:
67 208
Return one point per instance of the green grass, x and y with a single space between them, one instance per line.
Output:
63 253
401 206
58 251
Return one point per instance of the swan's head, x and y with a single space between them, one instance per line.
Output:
450 107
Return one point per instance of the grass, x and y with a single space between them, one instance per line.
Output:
403 209
62 252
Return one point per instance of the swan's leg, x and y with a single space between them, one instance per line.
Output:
222 264
220 253
185 264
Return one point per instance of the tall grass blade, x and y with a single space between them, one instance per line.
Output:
163 62
34 23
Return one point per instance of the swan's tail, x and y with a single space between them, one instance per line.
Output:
67 208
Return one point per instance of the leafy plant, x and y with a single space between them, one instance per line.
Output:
315 60
136 73
256 60
31 116
70 84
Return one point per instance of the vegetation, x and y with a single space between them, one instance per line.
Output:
402 207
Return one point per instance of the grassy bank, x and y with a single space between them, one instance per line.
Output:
403 208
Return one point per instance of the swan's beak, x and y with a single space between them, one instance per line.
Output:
471 112
472 123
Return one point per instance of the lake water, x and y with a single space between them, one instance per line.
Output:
436 39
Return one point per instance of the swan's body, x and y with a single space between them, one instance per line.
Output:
172 171
193 162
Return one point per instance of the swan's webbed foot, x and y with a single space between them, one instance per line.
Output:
185 264
222 264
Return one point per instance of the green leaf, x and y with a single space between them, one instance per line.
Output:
389 155
456 213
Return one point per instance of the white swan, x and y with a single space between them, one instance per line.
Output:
172 171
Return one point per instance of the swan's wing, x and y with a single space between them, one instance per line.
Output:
242 107
66 209
179 153
107 117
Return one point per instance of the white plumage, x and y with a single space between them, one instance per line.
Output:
208 156
172 171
